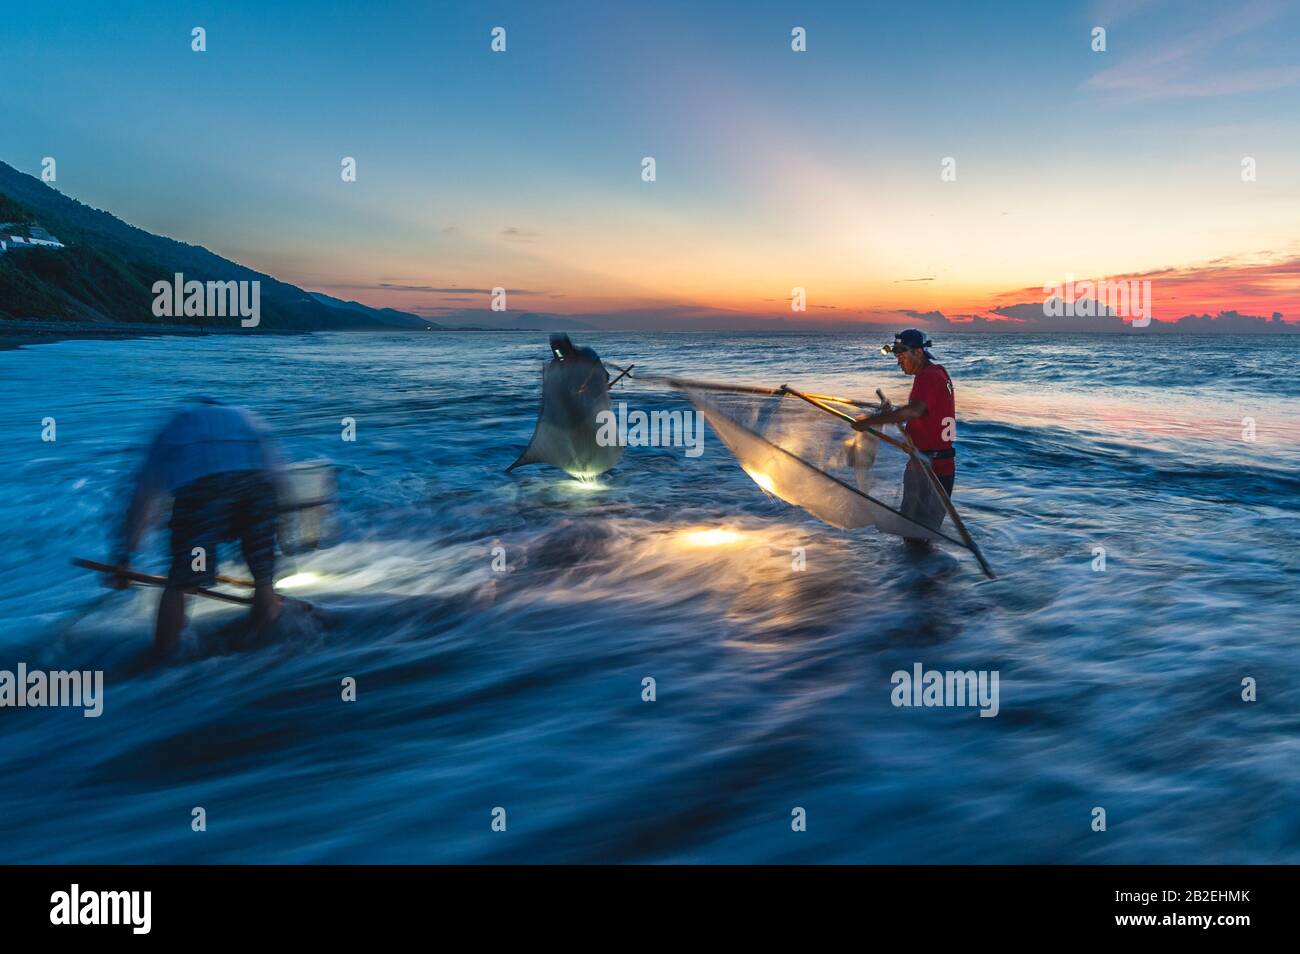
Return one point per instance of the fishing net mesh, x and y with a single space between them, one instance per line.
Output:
574 392
815 461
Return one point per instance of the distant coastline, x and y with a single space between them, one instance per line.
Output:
19 334
16 334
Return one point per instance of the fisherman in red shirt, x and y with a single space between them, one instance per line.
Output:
930 418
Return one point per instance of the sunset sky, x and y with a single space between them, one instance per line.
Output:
775 169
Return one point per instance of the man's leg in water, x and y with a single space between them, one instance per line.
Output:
255 517
191 534
171 620
921 502
266 604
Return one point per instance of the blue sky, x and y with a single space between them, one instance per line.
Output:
522 169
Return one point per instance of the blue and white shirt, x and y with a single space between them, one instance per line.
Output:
202 439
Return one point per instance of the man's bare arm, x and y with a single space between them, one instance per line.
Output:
909 411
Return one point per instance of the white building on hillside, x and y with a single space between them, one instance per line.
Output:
36 237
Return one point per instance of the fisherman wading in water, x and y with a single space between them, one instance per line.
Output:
930 418
220 467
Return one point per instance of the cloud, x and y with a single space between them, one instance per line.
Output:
512 234
1267 282
1232 322
927 317
1195 63
449 290
1030 317
1036 315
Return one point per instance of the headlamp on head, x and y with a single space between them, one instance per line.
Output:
561 346
906 341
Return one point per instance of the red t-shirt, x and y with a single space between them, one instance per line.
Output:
933 386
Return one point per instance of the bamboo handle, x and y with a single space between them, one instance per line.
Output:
148 579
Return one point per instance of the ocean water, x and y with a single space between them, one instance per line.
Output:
522 689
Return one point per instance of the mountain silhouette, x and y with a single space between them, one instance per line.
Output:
107 270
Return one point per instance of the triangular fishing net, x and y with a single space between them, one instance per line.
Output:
813 460
574 393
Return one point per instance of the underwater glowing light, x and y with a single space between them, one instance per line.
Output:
298 579
715 537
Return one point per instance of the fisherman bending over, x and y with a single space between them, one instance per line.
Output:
930 417
219 464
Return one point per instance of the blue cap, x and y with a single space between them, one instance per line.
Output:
906 341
